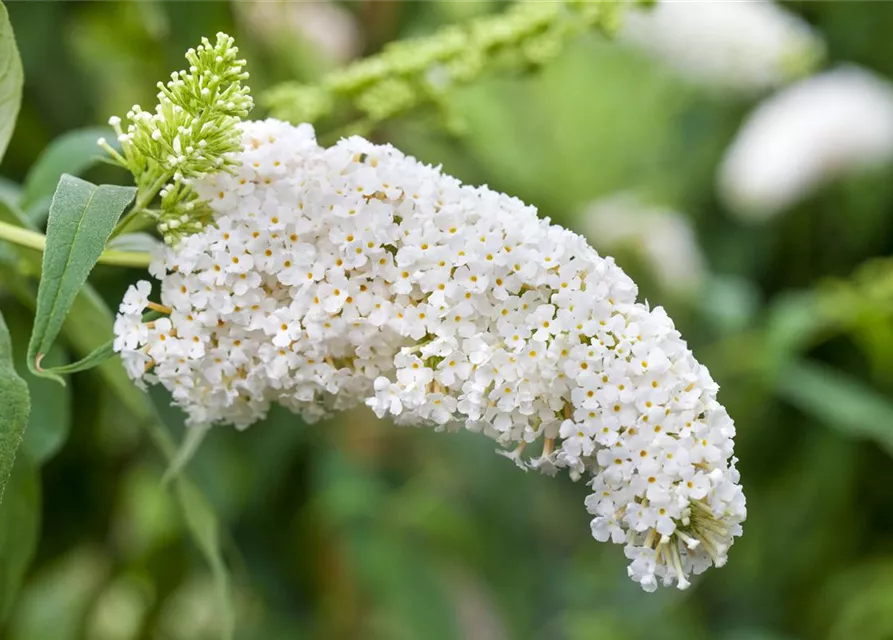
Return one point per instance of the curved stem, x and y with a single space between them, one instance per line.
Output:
22 237
37 241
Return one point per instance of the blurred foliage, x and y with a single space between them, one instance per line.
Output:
408 74
356 529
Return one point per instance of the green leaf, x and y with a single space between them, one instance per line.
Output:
202 523
14 407
191 442
839 401
82 217
87 315
73 153
67 587
19 529
11 80
89 325
12 214
50 420
92 359
9 190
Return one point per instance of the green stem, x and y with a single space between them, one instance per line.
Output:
22 237
136 259
144 198
131 222
38 241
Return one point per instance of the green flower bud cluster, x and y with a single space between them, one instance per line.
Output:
412 73
193 131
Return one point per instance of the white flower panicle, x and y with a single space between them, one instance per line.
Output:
826 127
742 46
350 274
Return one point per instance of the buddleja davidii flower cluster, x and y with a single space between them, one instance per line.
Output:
419 71
193 132
354 274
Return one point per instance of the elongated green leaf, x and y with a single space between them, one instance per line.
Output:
88 327
14 406
839 401
191 442
11 79
82 217
67 587
202 523
90 322
92 359
9 190
794 322
19 529
50 419
73 153
12 214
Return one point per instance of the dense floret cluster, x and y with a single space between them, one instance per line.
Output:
355 274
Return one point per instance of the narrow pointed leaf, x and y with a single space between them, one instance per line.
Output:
90 324
50 421
839 401
191 442
202 524
10 190
11 79
12 214
82 217
73 153
14 407
19 531
94 358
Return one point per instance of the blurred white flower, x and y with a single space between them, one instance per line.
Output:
746 46
328 27
662 238
834 124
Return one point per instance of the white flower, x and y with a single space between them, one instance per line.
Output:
744 46
468 310
130 332
136 298
662 238
825 127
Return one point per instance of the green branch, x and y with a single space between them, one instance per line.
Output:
37 241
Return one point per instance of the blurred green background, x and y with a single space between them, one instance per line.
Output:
356 529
